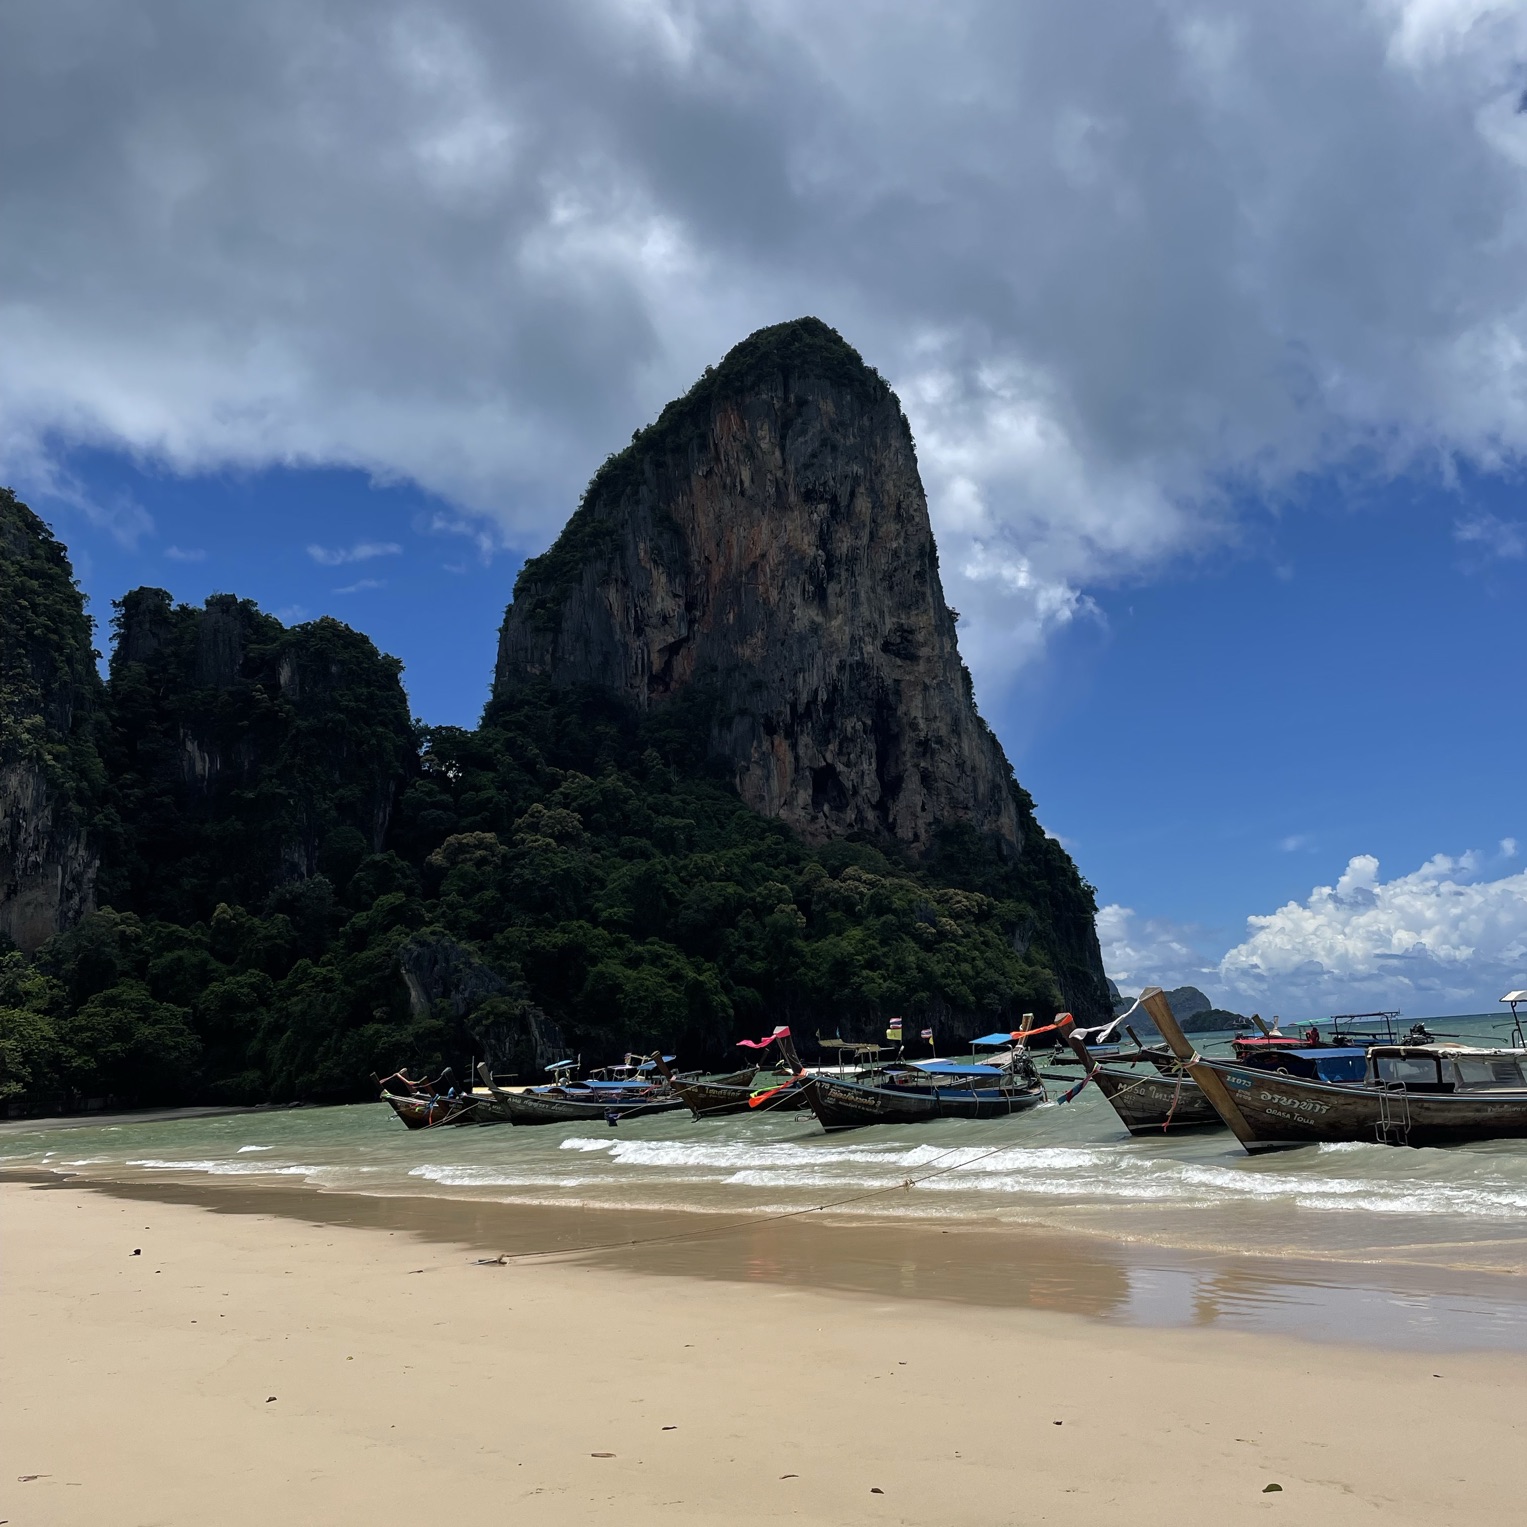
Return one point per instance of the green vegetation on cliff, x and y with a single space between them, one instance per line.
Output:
244 754
48 683
596 886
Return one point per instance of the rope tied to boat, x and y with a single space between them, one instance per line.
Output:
1171 1112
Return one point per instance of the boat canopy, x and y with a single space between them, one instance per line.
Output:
953 1068
561 1065
992 1041
1515 996
597 1086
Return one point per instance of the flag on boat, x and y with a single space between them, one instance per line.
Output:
928 1035
1072 1092
893 1029
780 1032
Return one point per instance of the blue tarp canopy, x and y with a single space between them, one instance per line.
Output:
561 1065
991 1041
953 1068
1328 1052
613 1086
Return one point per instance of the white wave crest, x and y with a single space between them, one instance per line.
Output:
455 1176
225 1168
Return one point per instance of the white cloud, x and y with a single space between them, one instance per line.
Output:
1145 951
1296 841
1123 258
185 553
364 551
1439 938
483 536
361 585
1443 938
1506 539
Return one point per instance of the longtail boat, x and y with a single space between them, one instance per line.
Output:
763 1092
1148 1102
430 1113
586 1102
1399 1094
750 1090
1170 1100
428 1105
918 1093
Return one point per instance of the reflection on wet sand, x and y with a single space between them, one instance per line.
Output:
992 1265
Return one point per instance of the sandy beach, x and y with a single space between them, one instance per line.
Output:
250 1366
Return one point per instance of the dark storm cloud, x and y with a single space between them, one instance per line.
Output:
1120 257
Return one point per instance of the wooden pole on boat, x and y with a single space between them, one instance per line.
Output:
788 1054
1079 1048
1153 1000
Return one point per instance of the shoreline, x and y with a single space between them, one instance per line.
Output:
1118 1282
169 1364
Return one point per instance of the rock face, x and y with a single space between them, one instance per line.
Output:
50 771
767 543
758 564
512 1034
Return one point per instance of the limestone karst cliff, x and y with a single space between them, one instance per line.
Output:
764 551
50 772
768 540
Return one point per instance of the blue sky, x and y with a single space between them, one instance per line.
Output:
1210 322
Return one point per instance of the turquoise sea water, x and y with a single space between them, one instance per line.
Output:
1066 1168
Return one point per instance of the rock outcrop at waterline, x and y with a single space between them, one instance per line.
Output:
767 541
50 770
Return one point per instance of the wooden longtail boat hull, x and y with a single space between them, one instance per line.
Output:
1151 1105
541 1108
431 1113
711 1100
1287 1110
848 1105
491 1109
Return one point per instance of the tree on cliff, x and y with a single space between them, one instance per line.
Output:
52 785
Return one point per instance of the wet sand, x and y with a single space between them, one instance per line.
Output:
1399 1301
793 1378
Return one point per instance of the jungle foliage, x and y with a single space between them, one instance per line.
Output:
49 688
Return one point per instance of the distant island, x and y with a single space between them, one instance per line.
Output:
1194 1012
731 775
